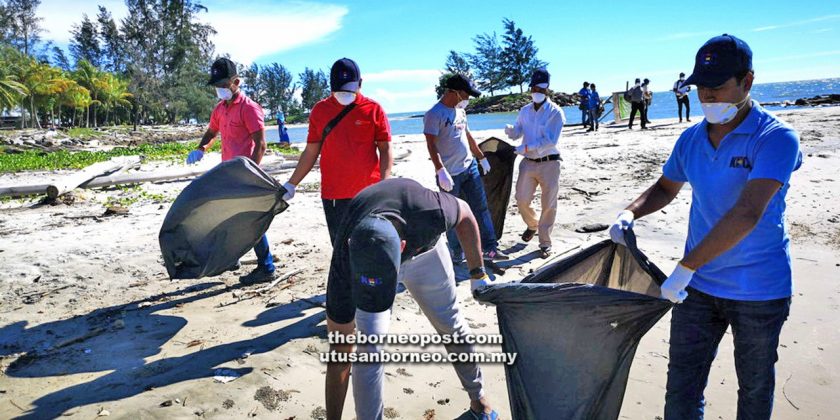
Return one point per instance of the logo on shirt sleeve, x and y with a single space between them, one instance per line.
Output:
740 162
370 281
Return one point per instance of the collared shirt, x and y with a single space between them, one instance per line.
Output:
349 158
761 147
236 122
449 125
680 88
540 129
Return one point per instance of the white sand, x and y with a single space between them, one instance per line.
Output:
155 340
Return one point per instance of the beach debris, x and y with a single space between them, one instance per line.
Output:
587 194
592 227
225 375
271 398
784 392
195 343
115 211
443 401
228 404
429 414
408 391
319 413
251 294
391 413
404 372
103 412
34 297
167 403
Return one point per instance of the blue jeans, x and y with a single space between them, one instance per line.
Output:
584 118
697 326
264 258
468 186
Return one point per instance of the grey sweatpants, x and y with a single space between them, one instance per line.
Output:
430 279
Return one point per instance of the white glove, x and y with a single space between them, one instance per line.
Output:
476 284
623 222
509 131
194 156
485 165
290 191
674 286
445 180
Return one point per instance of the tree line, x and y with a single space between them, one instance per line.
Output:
496 64
149 68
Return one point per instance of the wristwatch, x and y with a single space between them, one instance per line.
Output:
478 272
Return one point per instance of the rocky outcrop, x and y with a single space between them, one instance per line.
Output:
514 101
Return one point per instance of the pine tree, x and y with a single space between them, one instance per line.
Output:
457 63
487 62
314 87
111 42
519 55
84 44
23 25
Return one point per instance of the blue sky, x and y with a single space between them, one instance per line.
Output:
401 46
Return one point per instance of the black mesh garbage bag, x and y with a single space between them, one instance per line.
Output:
218 218
575 325
499 181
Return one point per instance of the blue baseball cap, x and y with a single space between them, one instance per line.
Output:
345 76
719 59
540 78
374 246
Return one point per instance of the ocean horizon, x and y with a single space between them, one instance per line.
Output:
663 105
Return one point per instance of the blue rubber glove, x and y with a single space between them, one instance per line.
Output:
290 191
674 286
194 156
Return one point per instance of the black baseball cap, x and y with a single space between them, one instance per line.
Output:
374 247
539 77
460 82
719 59
221 69
344 71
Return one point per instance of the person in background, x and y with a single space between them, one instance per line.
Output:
583 94
736 269
282 132
540 124
355 149
594 108
241 124
637 104
456 156
681 90
648 99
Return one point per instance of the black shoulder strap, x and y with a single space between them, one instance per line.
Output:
330 125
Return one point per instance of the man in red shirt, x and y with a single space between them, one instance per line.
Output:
348 149
240 121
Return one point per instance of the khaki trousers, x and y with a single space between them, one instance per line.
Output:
546 175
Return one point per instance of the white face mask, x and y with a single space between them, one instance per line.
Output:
638 84
345 98
538 97
224 93
722 112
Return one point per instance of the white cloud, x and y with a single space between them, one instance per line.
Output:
401 90
243 31
797 23
262 28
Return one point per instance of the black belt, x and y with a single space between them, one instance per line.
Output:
545 158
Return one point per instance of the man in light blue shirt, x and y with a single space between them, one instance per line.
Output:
539 124
736 271
452 150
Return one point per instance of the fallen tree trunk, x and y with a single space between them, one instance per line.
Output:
72 181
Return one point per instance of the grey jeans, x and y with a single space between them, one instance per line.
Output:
430 279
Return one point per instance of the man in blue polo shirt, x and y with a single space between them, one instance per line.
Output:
736 270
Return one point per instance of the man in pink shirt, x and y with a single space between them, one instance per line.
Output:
240 122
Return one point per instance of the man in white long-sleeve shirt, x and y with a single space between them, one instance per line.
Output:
539 124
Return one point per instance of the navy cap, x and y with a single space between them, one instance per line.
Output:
374 246
460 82
221 69
344 71
719 59
540 77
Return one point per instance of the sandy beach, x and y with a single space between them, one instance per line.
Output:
90 325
